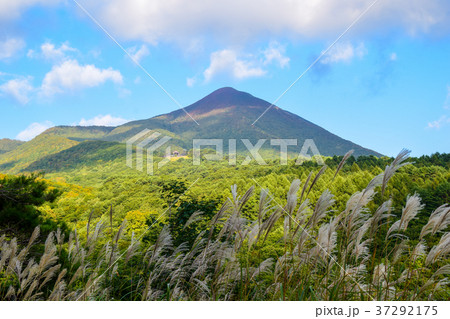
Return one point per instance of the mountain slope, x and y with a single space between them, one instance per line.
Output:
228 114
88 153
80 133
39 147
224 114
7 145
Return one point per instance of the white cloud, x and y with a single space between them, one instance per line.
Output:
443 120
227 62
123 92
10 47
276 52
239 20
103 120
447 100
190 82
33 130
70 75
242 66
393 56
138 54
18 89
50 52
12 9
343 52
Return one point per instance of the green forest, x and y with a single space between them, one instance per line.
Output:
86 227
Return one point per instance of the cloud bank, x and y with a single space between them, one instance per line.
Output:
33 130
103 120
10 47
240 20
71 76
19 89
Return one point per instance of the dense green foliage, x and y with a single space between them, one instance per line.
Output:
79 133
25 154
20 198
89 153
347 232
7 145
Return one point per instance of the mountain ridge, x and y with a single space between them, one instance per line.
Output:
223 114
228 113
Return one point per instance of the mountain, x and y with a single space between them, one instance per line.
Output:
25 154
228 114
224 114
7 145
87 153
80 133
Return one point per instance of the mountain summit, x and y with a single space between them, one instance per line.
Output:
229 114
225 97
224 114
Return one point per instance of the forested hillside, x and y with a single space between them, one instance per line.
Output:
356 229
7 145
25 154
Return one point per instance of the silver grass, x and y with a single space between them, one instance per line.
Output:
31 289
212 268
270 222
264 267
12 253
342 163
440 251
326 240
58 292
316 178
253 234
132 248
88 224
390 170
292 196
34 236
219 216
419 251
379 215
5 253
444 270
438 221
195 217
60 277
11 294
441 284
264 204
286 228
120 231
301 216
375 182
361 250
76 275
49 274
409 212
379 275
358 201
325 201
399 250
59 239
305 185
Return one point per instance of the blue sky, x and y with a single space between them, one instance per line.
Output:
385 85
